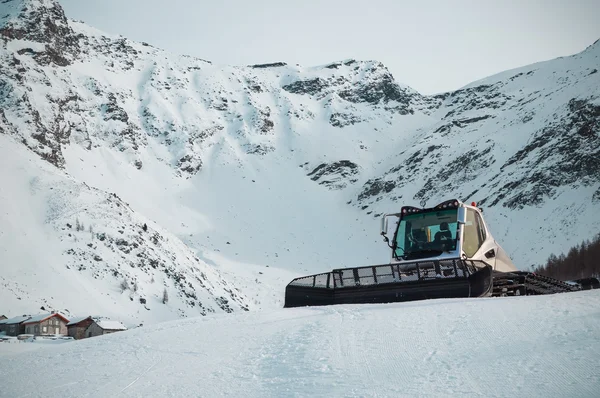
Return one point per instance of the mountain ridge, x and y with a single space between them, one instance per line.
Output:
255 174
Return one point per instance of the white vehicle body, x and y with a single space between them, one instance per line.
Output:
417 233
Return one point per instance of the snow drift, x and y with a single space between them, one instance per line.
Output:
544 346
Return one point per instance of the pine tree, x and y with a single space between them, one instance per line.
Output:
581 261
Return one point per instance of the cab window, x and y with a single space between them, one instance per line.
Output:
474 233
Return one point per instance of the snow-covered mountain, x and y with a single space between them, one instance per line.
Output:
247 176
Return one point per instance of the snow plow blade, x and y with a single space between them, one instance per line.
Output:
389 283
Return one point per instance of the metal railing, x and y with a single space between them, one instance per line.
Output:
388 273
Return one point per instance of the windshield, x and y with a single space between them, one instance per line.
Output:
425 234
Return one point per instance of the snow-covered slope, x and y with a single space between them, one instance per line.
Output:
265 172
71 247
540 346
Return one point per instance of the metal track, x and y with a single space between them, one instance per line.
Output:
522 283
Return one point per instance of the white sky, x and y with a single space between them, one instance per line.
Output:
432 46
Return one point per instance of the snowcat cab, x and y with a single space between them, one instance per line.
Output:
451 229
446 251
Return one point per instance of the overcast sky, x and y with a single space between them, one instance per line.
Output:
432 46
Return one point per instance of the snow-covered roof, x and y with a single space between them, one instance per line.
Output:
75 321
111 325
17 319
2 321
43 317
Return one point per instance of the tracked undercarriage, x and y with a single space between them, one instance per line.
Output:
521 283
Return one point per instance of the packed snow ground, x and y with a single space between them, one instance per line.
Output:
542 346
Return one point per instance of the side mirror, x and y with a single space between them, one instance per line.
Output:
384 225
462 215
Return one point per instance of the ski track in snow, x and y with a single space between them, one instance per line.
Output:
544 346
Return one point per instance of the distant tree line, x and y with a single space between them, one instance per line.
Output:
581 261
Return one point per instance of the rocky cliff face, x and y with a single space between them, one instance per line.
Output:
515 141
54 59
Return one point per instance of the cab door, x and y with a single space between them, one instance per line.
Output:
476 245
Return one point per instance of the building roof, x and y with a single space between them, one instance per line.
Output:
42 317
15 320
75 321
3 321
111 325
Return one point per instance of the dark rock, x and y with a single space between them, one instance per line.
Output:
267 125
112 111
310 87
258 150
190 164
343 119
45 23
271 65
376 187
336 175
383 89
596 196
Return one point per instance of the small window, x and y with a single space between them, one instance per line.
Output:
473 238
480 228
44 329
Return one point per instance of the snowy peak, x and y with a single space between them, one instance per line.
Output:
356 82
268 164
593 48
39 22
561 69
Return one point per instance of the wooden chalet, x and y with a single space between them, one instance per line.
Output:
13 326
46 324
77 327
104 326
